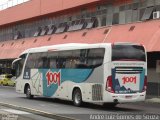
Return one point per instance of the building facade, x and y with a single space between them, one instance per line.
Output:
37 23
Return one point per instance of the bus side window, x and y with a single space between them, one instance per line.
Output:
95 57
52 59
83 56
68 63
75 59
45 63
64 58
82 62
52 63
31 61
61 62
39 62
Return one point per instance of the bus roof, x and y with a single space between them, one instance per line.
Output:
68 46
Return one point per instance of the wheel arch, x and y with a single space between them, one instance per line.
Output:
77 87
25 87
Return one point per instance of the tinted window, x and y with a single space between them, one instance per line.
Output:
37 60
103 21
135 15
128 52
19 65
90 58
148 13
122 17
115 18
141 12
95 57
83 58
52 59
31 61
64 59
128 16
75 59
41 60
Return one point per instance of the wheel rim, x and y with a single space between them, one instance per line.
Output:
77 98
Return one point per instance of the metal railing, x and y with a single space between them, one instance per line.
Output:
11 3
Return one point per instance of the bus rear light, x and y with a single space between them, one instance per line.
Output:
145 84
109 86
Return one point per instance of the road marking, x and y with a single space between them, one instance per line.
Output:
16 111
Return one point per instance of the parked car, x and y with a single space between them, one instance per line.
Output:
6 80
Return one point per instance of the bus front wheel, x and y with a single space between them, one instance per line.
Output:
28 92
77 97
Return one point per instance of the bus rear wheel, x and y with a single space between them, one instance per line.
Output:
28 92
77 97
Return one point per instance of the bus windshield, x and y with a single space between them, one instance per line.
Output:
18 64
128 52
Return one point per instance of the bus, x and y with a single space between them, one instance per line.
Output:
96 73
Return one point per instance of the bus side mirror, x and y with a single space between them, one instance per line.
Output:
13 66
14 63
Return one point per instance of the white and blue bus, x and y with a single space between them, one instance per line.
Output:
95 73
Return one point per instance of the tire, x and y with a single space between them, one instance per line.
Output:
28 92
77 97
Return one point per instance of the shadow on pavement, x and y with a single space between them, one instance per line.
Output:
117 108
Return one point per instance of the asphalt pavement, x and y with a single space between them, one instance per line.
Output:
7 113
12 103
153 100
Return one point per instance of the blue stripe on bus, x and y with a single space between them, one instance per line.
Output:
74 75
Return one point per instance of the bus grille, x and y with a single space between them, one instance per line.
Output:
97 92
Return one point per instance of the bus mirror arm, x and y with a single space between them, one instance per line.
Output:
15 61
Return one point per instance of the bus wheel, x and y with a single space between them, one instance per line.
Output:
28 92
77 97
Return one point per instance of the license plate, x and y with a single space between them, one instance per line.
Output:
128 97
